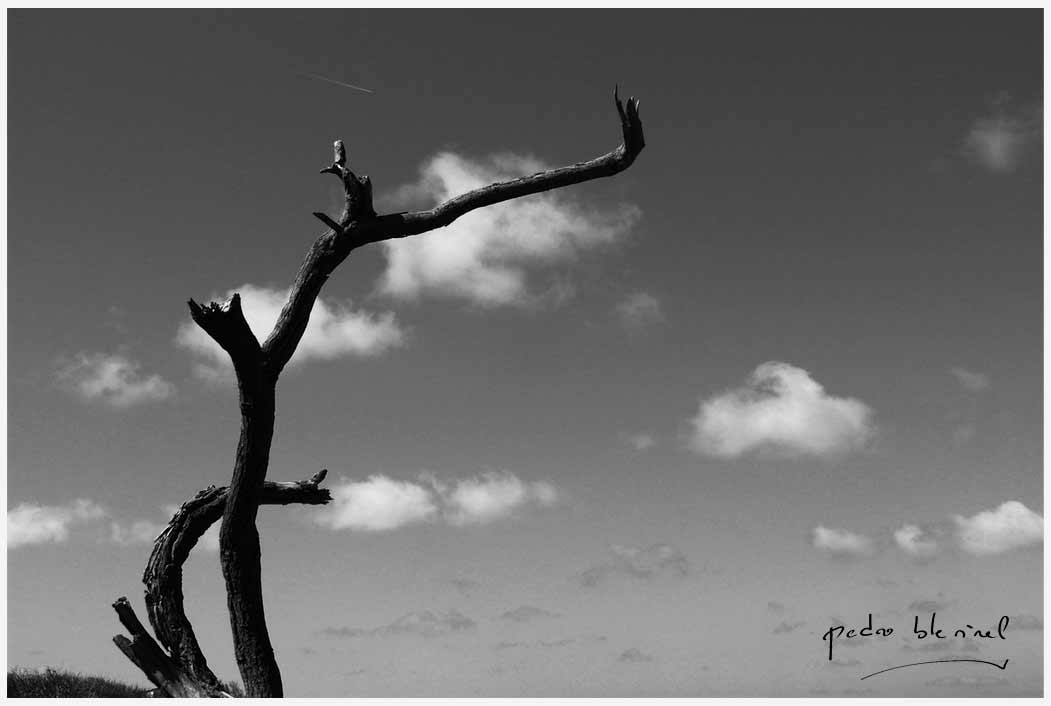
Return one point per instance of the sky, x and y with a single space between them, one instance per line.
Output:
652 435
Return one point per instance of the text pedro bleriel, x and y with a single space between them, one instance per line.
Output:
929 631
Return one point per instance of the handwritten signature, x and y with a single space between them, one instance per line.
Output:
930 630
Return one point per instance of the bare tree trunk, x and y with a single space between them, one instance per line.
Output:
258 367
239 550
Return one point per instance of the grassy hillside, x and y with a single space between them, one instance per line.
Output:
52 683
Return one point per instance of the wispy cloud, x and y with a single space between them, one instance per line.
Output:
484 257
841 542
640 311
423 623
382 503
915 542
1010 526
641 441
113 380
633 655
633 562
969 379
781 408
1000 140
335 330
527 614
786 627
137 532
928 605
29 523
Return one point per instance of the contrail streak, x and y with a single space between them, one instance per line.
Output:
332 80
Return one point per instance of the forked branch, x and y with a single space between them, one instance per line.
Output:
184 670
227 325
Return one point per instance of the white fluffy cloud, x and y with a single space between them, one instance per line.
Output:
484 256
379 503
113 380
840 542
915 542
1010 526
29 523
491 496
639 311
1001 140
783 408
382 503
334 330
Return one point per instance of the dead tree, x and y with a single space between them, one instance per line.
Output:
183 670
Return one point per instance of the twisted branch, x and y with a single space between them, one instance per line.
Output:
188 672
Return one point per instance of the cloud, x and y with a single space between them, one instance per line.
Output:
633 655
632 562
484 256
915 542
381 503
491 496
641 441
422 623
786 627
928 605
1010 526
465 586
113 380
1001 140
334 330
526 614
639 311
970 380
29 523
841 543
783 408
138 532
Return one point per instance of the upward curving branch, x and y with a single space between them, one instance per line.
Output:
359 225
401 225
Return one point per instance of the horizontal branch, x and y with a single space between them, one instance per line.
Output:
401 225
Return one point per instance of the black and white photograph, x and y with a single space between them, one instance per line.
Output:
524 352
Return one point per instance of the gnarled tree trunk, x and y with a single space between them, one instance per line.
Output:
183 671
259 366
